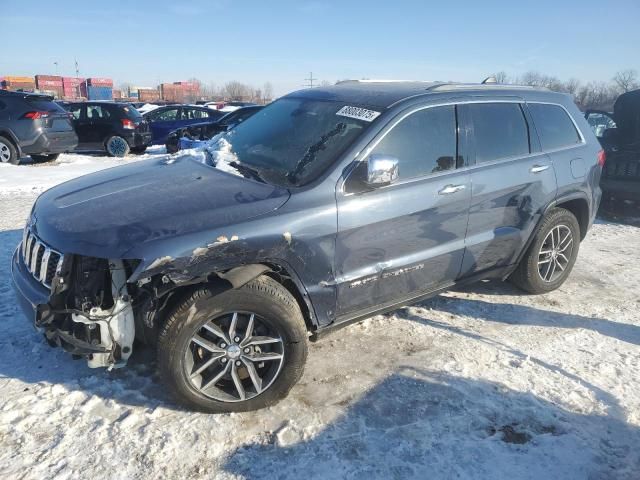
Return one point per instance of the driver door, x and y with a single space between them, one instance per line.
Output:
399 241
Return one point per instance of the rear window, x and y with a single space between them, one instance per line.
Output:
44 105
500 131
555 128
132 113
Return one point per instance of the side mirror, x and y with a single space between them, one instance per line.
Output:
381 170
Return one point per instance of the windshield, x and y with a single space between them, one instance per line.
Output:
291 141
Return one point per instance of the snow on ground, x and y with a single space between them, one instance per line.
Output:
38 177
483 382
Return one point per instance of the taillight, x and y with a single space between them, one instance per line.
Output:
128 124
602 158
35 115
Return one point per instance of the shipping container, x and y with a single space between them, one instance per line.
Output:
99 82
99 93
11 78
49 77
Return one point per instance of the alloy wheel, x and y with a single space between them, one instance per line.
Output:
5 153
117 147
555 253
234 357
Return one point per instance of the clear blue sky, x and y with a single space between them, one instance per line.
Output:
146 42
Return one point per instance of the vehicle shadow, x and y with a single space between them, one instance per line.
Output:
419 424
618 211
25 355
515 314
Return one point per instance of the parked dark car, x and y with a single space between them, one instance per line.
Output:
33 125
206 130
619 134
164 120
329 206
116 128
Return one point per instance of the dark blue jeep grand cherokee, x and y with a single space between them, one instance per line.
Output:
326 207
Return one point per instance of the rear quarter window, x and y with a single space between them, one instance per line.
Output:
44 105
554 126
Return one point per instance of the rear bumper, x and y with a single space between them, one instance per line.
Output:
621 189
51 142
137 139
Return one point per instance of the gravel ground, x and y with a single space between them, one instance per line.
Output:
483 382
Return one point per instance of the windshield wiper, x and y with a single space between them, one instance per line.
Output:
247 171
313 150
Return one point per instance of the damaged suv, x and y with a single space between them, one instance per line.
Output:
328 206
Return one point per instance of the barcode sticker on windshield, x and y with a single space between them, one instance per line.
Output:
358 113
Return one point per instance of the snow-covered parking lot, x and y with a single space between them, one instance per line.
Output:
484 382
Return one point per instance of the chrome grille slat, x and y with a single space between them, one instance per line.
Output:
41 260
44 264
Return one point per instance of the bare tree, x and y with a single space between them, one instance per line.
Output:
626 80
571 86
235 90
267 92
325 83
501 77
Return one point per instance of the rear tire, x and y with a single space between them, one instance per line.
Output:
550 258
235 383
8 152
138 150
117 146
45 158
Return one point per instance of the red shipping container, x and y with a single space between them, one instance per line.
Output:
45 84
99 82
49 77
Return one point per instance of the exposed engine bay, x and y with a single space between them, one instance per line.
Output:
90 312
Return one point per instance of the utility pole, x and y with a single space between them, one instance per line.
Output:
78 92
310 80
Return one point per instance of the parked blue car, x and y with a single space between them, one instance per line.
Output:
164 120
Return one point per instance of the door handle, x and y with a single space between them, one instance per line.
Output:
449 189
538 168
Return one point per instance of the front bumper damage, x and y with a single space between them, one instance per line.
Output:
103 334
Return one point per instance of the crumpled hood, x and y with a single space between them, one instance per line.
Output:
108 213
626 113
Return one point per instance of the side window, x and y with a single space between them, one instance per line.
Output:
500 131
76 111
168 115
555 128
96 112
199 114
2 105
424 142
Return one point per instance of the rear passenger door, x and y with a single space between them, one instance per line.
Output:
163 122
81 125
512 183
398 241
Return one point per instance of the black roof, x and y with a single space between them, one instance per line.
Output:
384 94
11 93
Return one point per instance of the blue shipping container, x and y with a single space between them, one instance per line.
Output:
99 93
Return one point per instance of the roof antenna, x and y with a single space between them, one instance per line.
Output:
490 79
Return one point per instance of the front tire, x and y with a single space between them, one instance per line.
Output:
239 350
8 152
117 146
45 158
551 256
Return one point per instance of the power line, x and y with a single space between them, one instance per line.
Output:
310 80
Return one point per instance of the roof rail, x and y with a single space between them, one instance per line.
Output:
470 86
383 80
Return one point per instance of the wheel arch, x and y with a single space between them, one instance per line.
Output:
13 139
579 207
235 278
